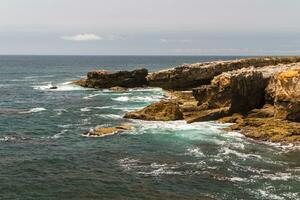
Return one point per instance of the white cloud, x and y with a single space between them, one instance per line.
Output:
82 37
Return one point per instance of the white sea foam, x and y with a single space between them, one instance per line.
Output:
57 135
66 86
6 138
195 152
91 96
111 116
228 151
151 98
122 98
238 179
42 76
33 110
60 111
87 109
267 194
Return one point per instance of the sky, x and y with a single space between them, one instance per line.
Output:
150 27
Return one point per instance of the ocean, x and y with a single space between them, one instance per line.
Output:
43 154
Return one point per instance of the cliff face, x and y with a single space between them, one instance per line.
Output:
284 91
193 75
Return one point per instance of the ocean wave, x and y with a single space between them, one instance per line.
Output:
146 89
228 151
87 109
91 96
7 138
56 136
151 98
110 116
33 110
66 86
41 76
195 152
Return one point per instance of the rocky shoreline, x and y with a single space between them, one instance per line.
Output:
260 96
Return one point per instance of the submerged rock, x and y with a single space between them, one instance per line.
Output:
106 131
161 111
107 79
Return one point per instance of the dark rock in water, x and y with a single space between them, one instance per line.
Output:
284 90
106 79
194 75
161 111
53 87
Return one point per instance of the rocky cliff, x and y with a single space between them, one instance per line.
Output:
188 76
260 95
263 101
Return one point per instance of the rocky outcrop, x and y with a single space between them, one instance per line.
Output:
160 111
284 90
106 131
194 75
107 79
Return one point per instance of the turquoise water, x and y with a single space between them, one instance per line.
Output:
44 156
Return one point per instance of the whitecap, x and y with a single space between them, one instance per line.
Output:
56 136
238 179
227 151
66 86
111 116
122 98
33 110
91 96
151 98
195 152
6 138
87 109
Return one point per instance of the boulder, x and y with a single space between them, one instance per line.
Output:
193 75
160 111
284 90
107 79
106 131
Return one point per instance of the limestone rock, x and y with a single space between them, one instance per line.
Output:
242 90
106 131
161 111
284 89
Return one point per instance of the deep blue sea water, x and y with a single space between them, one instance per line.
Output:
44 156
